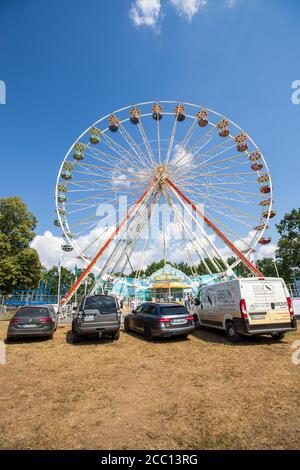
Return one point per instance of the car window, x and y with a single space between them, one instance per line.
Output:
146 309
174 310
32 312
138 309
105 304
153 310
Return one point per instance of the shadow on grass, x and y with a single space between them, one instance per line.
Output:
27 339
88 339
212 335
156 340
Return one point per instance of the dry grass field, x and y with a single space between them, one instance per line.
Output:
199 393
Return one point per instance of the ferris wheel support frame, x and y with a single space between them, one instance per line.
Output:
96 258
239 254
135 223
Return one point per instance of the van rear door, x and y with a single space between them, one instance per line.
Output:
266 301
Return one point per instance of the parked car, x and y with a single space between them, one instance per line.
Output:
160 319
96 315
250 306
33 320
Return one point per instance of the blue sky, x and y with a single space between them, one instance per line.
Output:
67 63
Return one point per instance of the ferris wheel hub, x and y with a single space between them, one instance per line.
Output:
161 172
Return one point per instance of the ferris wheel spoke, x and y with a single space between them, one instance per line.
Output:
132 143
203 233
228 216
204 140
171 142
228 230
204 196
185 229
121 151
102 156
234 210
123 165
146 143
137 224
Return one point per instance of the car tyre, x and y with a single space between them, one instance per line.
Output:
116 336
232 334
278 336
126 325
147 332
75 336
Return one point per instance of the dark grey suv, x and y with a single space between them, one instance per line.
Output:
96 315
160 319
33 320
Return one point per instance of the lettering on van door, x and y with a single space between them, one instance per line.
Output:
215 299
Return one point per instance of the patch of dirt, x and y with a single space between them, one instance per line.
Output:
199 393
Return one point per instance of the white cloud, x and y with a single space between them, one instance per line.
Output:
145 12
188 8
231 3
149 12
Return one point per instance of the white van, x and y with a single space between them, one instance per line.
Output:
249 306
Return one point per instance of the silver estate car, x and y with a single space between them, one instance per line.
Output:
33 320
160 319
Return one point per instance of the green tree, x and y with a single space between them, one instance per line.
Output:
17 225
29 269
267 267
288 252
20 267
240 270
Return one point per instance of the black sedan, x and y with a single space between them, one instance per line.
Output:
33 320
160 319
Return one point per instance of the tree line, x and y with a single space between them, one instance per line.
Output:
21 268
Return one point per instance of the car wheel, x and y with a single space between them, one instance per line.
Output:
75 336
147 332
116 335
232 334
10 339
50 336
185 336
126 325
277 336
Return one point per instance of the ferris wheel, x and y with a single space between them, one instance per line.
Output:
182 154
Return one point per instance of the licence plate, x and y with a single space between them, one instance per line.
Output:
29 326
178 321
89 318
258 317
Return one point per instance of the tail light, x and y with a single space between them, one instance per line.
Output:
190 318
15 320
165 320
243 308
290 306
45 320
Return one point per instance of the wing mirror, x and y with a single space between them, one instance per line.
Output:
133 311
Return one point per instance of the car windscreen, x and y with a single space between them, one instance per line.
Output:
32 312
101 303
173 310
